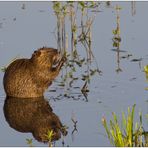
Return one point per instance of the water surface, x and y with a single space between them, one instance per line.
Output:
24 30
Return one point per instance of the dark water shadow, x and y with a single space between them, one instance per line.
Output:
33 115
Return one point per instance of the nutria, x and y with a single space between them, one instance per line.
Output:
33 115
25 78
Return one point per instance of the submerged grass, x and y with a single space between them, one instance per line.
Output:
127 135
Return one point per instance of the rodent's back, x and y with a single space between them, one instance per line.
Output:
26 78
18 79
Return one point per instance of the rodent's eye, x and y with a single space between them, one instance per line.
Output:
37 53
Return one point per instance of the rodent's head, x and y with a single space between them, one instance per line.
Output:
46 57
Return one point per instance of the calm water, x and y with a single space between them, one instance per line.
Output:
23 31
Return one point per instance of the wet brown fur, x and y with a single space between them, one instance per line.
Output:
26 78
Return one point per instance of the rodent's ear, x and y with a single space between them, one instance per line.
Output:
37 53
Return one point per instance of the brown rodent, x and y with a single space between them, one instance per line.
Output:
33 115
25 78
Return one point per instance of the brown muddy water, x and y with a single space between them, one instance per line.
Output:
26 26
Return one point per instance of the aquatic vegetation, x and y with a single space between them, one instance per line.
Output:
116 32
128 134
71 10
29 142
75 126
49 136
23 6
75 130
85 90
146 74
108 3
73 119
133 8
74 26
3 69
81 34
146 69
117 39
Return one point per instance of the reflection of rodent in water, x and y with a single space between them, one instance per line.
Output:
33 115
31 77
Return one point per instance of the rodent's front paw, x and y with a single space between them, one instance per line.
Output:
64 59
61 63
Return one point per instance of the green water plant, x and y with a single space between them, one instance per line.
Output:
3 69
146 74
29 142
127 134
74 25
49 136
146 69
117 38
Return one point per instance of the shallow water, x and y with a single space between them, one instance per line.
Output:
24 30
